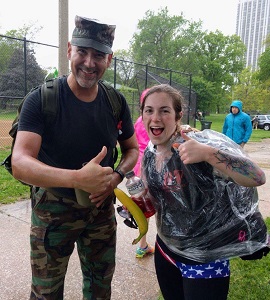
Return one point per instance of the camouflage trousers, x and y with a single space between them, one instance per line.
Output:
56 225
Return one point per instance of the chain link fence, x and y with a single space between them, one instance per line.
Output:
25 64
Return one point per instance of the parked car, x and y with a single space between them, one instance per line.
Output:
264 122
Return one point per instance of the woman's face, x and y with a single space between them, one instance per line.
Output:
159 118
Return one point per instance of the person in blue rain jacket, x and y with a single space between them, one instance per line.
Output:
237 124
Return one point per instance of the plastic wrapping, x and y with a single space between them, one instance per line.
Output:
201 214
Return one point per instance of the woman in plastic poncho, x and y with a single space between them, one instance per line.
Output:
203 187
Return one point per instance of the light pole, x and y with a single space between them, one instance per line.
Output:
63 65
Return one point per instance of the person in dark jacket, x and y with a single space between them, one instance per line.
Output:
237 125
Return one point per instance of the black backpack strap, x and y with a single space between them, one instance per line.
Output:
115 101
114 98
50 99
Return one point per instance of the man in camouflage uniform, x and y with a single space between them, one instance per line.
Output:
73 154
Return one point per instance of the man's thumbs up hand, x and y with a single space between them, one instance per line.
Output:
93 177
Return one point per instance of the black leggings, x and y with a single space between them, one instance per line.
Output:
174 287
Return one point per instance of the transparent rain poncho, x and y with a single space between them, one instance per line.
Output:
200 214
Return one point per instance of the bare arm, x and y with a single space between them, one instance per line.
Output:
26 167
241 169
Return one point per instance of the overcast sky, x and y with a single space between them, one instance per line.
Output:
215 14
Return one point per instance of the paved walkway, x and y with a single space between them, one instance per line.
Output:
133 279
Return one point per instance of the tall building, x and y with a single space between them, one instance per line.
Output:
252 26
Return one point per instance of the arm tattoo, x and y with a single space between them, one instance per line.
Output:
240 165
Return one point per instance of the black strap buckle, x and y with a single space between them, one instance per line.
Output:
129 220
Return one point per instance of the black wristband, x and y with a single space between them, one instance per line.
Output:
120 173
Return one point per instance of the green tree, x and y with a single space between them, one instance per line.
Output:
125 67
264 64
251 92
12 81
15 41
12 62
205 92
161 40
220 59
172 42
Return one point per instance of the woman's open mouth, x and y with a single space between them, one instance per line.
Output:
156 130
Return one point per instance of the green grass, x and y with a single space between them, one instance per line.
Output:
8 116
11 190
250 280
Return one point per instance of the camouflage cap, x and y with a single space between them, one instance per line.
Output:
91 33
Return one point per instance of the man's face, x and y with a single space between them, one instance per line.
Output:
235 110
87 64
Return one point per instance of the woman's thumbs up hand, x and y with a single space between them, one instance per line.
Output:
192 151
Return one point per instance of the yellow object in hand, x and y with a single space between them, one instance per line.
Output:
136 212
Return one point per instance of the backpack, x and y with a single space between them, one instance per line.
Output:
50 102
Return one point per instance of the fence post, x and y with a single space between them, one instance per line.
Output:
25 65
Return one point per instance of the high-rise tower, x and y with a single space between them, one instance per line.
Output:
252 26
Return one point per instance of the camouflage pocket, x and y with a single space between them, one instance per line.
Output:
38 196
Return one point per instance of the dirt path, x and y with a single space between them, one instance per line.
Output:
259 152
5 139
